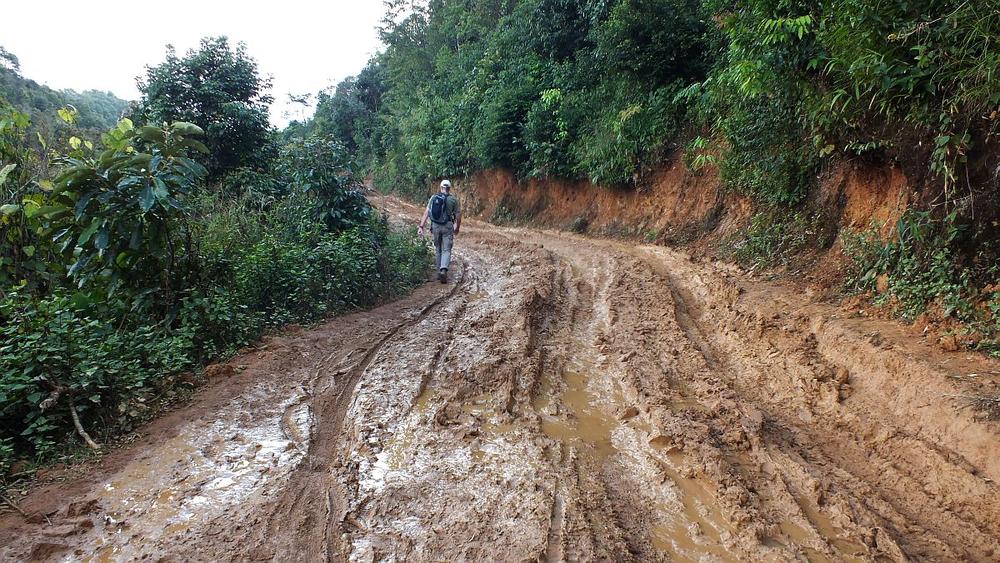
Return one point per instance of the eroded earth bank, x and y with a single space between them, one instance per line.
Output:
562 398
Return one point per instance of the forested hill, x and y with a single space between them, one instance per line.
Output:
769 91
764 97
98 110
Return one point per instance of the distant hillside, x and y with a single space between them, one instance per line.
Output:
98 110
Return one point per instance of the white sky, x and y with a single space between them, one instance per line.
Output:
306 45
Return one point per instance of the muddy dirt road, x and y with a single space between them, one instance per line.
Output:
561 399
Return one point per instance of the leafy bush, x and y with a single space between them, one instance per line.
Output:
775 238
57 356
321 167
22 257
77 353
919 270
116 210
918 263
252 182
218 88
150 274
765 155
541 87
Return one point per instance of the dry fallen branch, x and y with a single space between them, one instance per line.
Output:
13 505
79 428
984 402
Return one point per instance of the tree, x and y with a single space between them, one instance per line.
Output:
9 60
220 89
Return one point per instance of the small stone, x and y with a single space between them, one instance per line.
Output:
845 391
630 412
842 376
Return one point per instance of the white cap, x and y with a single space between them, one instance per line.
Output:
446 184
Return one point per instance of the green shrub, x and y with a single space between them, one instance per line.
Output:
109 361
252 182
918 262
56 355
150 274
921 268
321 167
775 237
766 155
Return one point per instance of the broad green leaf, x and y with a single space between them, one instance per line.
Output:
101 240
81 204
136 239
185 128
196 145
67 114
140 159
80 264
5 171
152 134
146 198
9 209
88 232
160 190
75 142
50 211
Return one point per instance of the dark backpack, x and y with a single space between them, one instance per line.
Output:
439 209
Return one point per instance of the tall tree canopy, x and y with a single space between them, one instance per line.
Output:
220 89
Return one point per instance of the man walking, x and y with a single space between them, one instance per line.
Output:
446 219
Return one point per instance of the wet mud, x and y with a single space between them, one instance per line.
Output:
561 399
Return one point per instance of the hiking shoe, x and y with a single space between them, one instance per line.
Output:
443 275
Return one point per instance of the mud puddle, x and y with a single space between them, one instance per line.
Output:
193 477
579 420
699 528
584 409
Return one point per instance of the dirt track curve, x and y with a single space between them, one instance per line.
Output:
562 399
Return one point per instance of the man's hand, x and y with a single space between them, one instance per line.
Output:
420 231
456 229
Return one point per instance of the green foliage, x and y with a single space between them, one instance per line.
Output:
920 269
929 65
97 110
541 87
776 238
799 82
765 156
124 270
321 167
918 262
219 89
115 210
56 355
304 278
349 113
253 182
21 255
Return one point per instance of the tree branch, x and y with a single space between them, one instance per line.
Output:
79 428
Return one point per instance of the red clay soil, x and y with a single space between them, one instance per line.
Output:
675 204
562 398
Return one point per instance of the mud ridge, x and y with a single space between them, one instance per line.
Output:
563 399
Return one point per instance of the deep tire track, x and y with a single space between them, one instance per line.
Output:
573 399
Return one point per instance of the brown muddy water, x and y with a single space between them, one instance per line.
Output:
562 399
